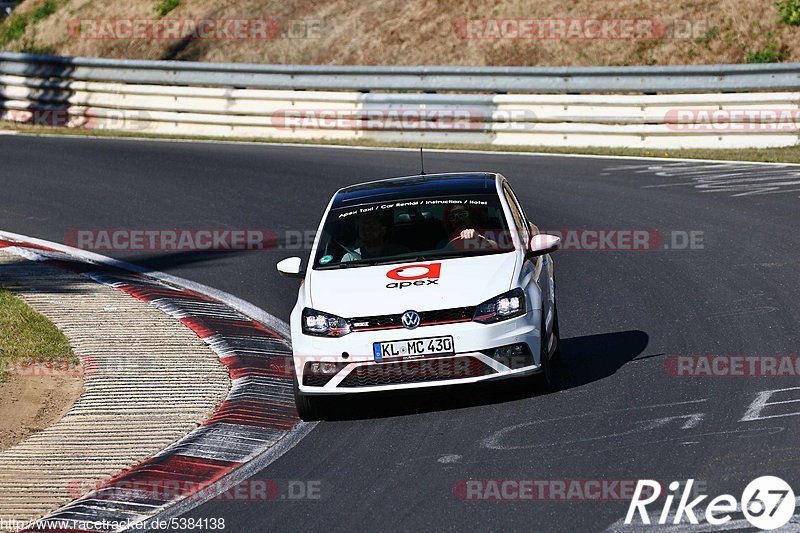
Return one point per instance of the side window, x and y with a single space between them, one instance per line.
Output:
528 224
520 224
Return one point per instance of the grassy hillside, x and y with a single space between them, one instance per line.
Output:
409 32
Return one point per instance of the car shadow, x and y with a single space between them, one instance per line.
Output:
583 360
172 259
147 263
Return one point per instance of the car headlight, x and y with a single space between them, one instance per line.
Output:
508 305
323 324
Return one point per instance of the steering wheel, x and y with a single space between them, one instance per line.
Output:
477 238
463 241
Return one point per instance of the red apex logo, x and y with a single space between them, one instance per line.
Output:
415 272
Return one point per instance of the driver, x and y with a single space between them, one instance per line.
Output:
372 232
461 227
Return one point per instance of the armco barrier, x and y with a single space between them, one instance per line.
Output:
500 106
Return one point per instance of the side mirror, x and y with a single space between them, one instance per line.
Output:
291 267
543 244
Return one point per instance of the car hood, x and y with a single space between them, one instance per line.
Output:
389 289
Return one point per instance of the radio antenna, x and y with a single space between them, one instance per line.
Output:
421 162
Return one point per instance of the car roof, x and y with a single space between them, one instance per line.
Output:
419 186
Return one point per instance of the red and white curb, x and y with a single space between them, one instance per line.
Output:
255 424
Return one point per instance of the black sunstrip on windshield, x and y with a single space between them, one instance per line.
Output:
418 229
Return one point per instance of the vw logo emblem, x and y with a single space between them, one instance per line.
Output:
410 319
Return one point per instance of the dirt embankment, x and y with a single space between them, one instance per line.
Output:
412 32
40 378
31 403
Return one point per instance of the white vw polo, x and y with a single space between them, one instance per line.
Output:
421 281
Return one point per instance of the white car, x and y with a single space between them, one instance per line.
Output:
422 281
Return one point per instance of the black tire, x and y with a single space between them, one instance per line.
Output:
308 407
543 380
556 333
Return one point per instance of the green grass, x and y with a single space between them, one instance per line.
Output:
27 336
710 35
14 26
789 11
45 10
789 154
770 53
165 6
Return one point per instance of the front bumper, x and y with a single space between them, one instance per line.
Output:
472 362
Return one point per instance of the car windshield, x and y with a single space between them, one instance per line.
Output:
416 229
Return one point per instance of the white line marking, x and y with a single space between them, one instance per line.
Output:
761 402
740 433
493 440
736 179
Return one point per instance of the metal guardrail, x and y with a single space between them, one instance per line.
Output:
758 77
382 103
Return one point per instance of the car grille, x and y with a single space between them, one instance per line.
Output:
416 371
427 318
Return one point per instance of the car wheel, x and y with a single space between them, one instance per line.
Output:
556 334
543 379
308 407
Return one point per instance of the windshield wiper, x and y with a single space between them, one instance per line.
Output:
373 262
439 256
349 264
414 259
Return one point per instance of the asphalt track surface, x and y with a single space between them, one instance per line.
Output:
392 462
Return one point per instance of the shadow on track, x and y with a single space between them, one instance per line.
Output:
583 360
13 269
165 260
150 263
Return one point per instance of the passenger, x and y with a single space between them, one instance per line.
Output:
372 232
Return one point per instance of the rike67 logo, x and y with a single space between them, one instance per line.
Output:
767 502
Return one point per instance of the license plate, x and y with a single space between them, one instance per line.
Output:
413 348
